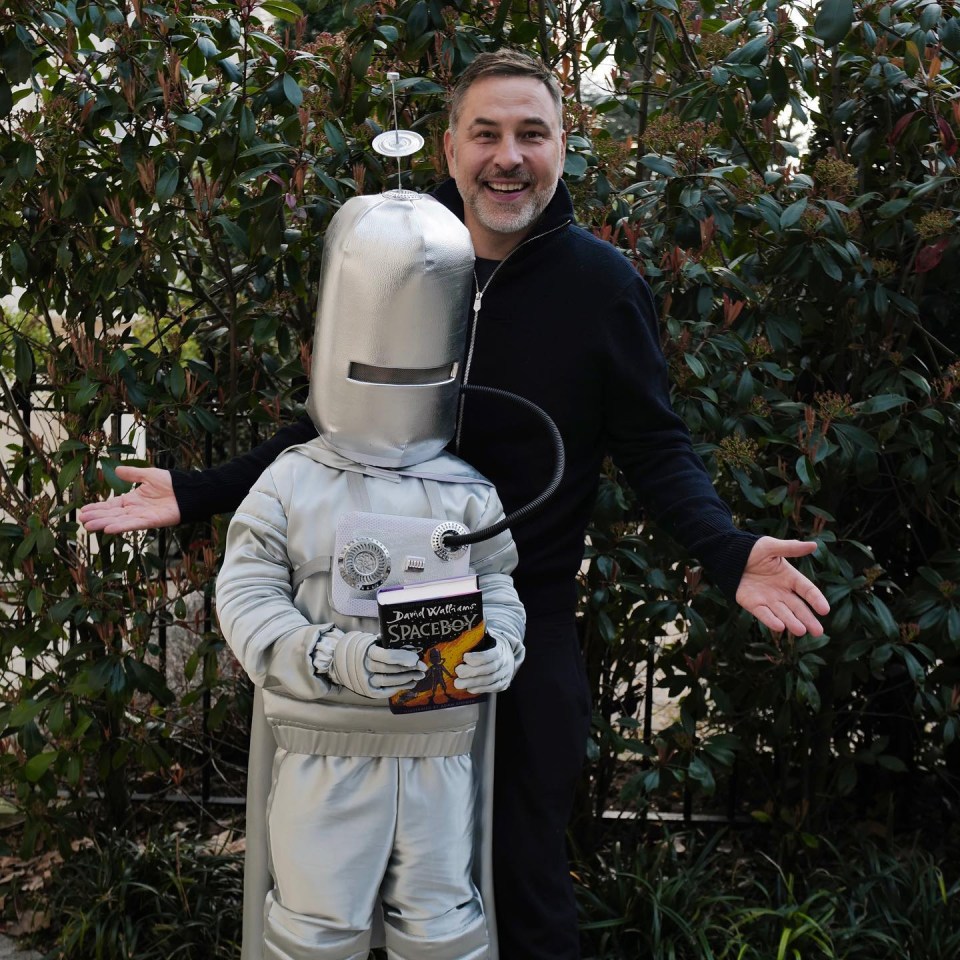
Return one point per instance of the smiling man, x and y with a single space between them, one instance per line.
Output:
565 320
505 147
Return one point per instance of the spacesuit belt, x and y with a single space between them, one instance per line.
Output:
370 743
373 715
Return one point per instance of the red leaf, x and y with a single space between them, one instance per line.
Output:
947 136
897 132
930 257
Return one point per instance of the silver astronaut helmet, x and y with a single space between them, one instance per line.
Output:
391 327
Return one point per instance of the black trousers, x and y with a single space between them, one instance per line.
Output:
542 725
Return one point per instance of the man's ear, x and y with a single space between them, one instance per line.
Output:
563 153
448 152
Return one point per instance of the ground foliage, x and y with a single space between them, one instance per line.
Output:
786 180
687 897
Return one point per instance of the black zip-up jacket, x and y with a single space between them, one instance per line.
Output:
567 322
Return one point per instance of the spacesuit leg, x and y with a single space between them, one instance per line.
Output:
432 910
331 824
289 935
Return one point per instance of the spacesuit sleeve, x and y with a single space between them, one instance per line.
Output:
260 622
493 561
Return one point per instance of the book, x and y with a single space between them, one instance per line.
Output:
442 620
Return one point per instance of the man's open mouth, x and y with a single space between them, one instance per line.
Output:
506 188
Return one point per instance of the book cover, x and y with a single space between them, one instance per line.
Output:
442 620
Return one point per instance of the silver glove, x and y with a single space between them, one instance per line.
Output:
361 665
487 671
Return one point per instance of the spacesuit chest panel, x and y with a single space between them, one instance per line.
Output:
371 548
374 550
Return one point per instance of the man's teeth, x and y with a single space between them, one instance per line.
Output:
506 187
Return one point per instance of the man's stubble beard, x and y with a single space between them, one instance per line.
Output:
497 219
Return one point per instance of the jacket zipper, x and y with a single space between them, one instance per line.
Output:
476 318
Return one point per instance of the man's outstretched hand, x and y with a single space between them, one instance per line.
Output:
148 505
778 594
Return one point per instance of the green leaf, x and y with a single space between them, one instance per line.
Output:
417 20
61 610
149 679
809 643
857 649
360 63
38 765
880 403
779 85
700 772
176 381
884 617
23 364
18 259
16 59
248 127
753 51
23 713
833 21
207 47
266 43
233 233
719 76
659 164
167 184
231 71
806 473
74 769
189 122
695 366
808 693
829 266
292 91
334 137
35 600
950 34
27 161
262 149
109 468
921 383
793 213
574 165
283 10
930 16
893 208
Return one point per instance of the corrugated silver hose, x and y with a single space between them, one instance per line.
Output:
452 541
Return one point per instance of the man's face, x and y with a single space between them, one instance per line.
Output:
506 156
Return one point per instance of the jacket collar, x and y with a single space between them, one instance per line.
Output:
558 212
443 468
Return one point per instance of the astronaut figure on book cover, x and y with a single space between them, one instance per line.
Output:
364 825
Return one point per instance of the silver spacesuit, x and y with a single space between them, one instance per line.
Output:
372 819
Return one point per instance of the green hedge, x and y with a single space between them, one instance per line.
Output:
788 187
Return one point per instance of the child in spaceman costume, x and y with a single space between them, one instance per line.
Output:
370 814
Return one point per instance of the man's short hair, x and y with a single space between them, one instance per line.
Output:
504 63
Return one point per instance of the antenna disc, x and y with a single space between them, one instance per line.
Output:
397 143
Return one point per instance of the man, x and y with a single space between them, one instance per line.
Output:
564 320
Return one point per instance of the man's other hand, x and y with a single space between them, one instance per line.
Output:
778 594
148 505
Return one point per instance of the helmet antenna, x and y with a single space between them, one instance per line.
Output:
397 143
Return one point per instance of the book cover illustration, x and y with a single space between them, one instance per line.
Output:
442 620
